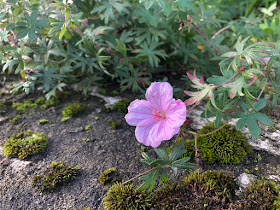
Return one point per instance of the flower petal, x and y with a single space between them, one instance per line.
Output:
142 134
159 94
161 132
176 114
138 111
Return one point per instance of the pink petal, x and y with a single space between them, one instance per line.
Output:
159 94
142 134
190 101
161 132
138 111
176 114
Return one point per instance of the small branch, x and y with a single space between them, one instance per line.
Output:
198 102
178 135
220 31
214 130
140 175
241 69
195 144
265 83
206 38
178 44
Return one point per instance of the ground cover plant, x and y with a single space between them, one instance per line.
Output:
78 44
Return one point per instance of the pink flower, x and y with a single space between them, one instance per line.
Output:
159 117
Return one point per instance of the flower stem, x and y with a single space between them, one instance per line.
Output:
140 175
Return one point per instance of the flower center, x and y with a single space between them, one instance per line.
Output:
159 115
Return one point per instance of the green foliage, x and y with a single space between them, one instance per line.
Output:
25 144
226 145
209 190
126 197
261 194
15 119
121 105
55 175
58 44
171 160
64 119
109 176
25 106
73 110
113 124
42 122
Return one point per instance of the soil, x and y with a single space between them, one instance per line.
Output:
105 148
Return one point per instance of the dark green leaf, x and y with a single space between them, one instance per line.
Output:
262 118
253 127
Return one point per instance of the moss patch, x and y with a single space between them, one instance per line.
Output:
261 194
227 145
126 197
25 106
210 190
73 110
110 175
114 125
42 122
25 144
55 175
121 105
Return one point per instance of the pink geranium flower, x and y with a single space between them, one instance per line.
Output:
159 117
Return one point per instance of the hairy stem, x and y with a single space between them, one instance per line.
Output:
140 175
206 38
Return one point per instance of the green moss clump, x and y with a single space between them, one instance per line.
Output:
114 93
110 175
55 175
210 190
40 101
261 194
121 105
87 127
126 197
42 122
64 119
226 145
114 125
25 144
73 110
15 118
25 106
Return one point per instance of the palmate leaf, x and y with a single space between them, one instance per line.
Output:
149 50
250 118
108 7
172 160
32 26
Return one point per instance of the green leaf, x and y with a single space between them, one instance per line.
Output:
149 180
177 151
161 152
253 127
261 103
262 118
183 163
241 122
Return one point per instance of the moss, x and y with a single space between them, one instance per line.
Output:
55 175
52 125
15 118
42 122
52 102
73 110
126 197
64 119
25 144
86 140
103 91
121 105
96 118
261 194
40 101
114 93
25 106
109 176
114 125
87 127
227 145
210 190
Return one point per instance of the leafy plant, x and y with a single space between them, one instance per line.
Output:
165 160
